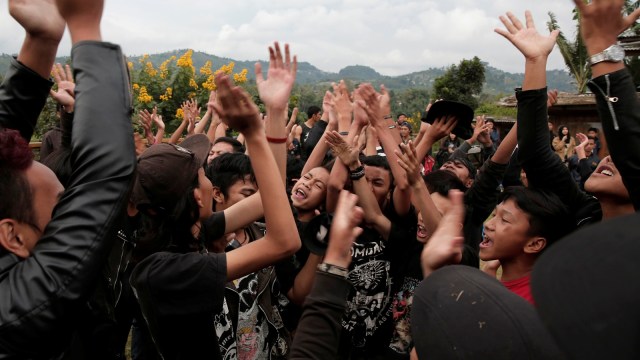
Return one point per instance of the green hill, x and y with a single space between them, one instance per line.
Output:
497 81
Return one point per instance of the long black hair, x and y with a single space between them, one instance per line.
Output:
560 134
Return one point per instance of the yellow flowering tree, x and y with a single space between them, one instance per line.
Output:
173 81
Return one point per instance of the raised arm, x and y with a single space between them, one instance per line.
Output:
24 90
274 92
543 167
373 109
317 156
421 198
349 156
319 329
615 91
237 108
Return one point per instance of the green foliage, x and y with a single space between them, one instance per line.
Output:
462 82
492 110
574 53
47 120
410 102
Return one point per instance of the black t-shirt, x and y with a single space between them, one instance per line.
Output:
376 272
179 294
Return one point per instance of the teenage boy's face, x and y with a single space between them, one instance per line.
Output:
606 182
505 234
379 180
240 190
310 190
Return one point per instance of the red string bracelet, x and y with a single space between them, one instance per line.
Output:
277 140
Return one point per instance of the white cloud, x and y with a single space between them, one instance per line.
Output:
392 36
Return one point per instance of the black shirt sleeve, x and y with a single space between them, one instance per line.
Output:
319 330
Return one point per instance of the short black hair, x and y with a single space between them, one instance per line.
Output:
548 216
378 161
466 163
593 129
442 181
402 114
237 145
227 169
312 110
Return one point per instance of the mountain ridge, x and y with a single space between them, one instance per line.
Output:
496 81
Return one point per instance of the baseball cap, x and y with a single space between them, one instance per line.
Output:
461 111
165 171
459 312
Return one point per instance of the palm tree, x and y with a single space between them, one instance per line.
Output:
574 53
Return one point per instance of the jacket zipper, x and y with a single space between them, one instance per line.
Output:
610 100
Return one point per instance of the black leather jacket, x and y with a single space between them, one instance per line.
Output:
40 296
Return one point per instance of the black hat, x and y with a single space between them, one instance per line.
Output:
587 290
462 112
315 236
165 171
459 312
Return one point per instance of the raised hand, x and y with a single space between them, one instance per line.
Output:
446 243
275 90
329 108
372 101
385 101
481 131
39 18
601 21
526 38
408 160
344 230
236 108
347 153
441 127
157 119
65 94
582 140
344 106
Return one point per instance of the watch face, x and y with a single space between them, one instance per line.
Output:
615 53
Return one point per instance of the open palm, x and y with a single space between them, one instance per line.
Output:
527 39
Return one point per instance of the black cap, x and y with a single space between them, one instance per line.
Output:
461 111
459 312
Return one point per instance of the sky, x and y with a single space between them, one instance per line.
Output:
394 37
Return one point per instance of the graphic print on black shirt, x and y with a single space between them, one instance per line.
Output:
370 304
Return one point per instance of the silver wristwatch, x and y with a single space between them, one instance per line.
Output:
614 53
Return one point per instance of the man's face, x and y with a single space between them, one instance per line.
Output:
310 190
505 234
592 134
46 191
591 144
459 170
490 125
401 118
606 182
240 190
219 149
379 180
404 131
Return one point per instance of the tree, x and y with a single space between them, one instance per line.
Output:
574 53
462 82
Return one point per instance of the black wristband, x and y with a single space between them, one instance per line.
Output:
357 174
344 133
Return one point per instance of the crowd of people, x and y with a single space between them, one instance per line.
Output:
335 238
